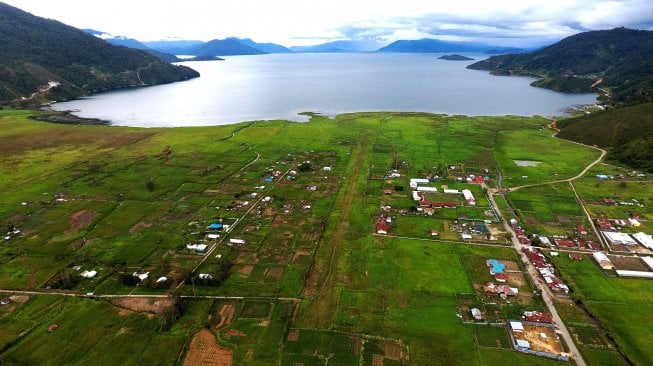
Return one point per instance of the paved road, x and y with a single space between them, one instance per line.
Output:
547 295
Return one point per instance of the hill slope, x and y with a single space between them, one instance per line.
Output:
626 132
39 53
617 62
132 43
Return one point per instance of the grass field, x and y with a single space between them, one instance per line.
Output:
300 275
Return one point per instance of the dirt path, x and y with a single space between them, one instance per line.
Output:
582 173
320 283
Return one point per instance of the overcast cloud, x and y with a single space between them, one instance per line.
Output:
301 22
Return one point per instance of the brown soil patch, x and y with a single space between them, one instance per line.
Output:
263 323
124 312
532 335
301 253
80 220
629 263
275 273
139 227
511 265
234 333
226 316
143 304
204 350
377 360
19 298
246 269
516 278
246 257
293 335
392 350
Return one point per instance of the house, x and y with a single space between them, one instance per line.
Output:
469 197
427 189
434 233
576 256
478 179
197 247
644 239
593 245
516 326
602 177
326 169
603 260
465 236
88 274
476 313
52 328
501 277
216 226
382 225
161 279
545 241
387 191
141 276
236 241
416 196
451 191
522 343
503 291
566 243
538 317
619 238
581 230
5 301
204 276
213 236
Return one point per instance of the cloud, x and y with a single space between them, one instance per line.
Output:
508 22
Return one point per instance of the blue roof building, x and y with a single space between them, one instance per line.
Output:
217 226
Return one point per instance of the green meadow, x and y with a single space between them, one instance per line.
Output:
300 277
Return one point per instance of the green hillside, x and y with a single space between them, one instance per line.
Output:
614 62
37 51
626 132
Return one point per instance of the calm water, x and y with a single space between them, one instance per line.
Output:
266 87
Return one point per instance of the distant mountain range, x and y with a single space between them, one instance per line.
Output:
44 60
428 45
339 47
617 63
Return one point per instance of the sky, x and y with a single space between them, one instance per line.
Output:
518 23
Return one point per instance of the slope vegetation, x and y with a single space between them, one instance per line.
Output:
627 132
615 62
39 53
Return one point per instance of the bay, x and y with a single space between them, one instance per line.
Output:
267 87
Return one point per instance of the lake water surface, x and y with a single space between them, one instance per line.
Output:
265 87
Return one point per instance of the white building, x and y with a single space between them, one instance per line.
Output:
88 274
469 197
603 260
427 189
644 239
619 238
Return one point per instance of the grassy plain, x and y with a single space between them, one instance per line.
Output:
123 200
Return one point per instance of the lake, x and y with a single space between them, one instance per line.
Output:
265 87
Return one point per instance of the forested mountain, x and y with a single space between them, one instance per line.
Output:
43 59
617 63
626 132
